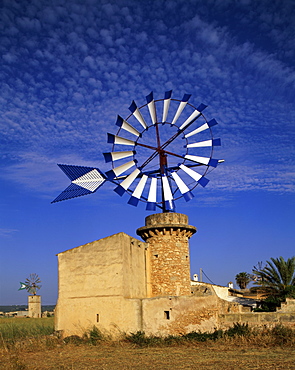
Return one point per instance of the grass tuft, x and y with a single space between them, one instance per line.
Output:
282 335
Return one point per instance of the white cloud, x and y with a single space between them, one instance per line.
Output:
9 58
64 85
7 232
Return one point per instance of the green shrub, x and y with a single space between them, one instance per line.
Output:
139 338
270 304
238 330
173 340
94 335
203 337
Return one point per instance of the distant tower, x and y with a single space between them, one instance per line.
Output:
168 263
32 284
34 304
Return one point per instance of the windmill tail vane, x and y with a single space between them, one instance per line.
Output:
22 286
84 180
159 166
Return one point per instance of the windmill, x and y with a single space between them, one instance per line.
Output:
154 159
31 284
159 154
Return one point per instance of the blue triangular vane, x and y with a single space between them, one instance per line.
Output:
85 180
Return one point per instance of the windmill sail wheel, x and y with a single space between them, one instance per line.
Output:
31 284
161 151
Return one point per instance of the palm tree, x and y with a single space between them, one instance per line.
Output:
243 279
277 278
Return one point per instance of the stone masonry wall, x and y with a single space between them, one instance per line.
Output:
34 305
167 235
257 319
283 316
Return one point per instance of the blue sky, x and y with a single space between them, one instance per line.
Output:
68 68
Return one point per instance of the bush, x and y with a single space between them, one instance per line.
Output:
173 340
238 330
270 304
203 337
139 338
94 335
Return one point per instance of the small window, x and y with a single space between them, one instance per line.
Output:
156 255
167 315
97 317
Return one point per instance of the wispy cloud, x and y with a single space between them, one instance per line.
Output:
6 233
70 68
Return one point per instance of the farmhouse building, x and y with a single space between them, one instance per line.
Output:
121 284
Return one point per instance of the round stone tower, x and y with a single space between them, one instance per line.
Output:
34 303
168 263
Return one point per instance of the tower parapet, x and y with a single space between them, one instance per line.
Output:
168 262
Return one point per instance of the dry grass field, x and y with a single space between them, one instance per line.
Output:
200 357
118 356
244 350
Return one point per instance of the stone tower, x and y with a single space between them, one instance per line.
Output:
168 263
34 304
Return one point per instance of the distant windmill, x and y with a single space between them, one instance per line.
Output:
31 285
163 164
